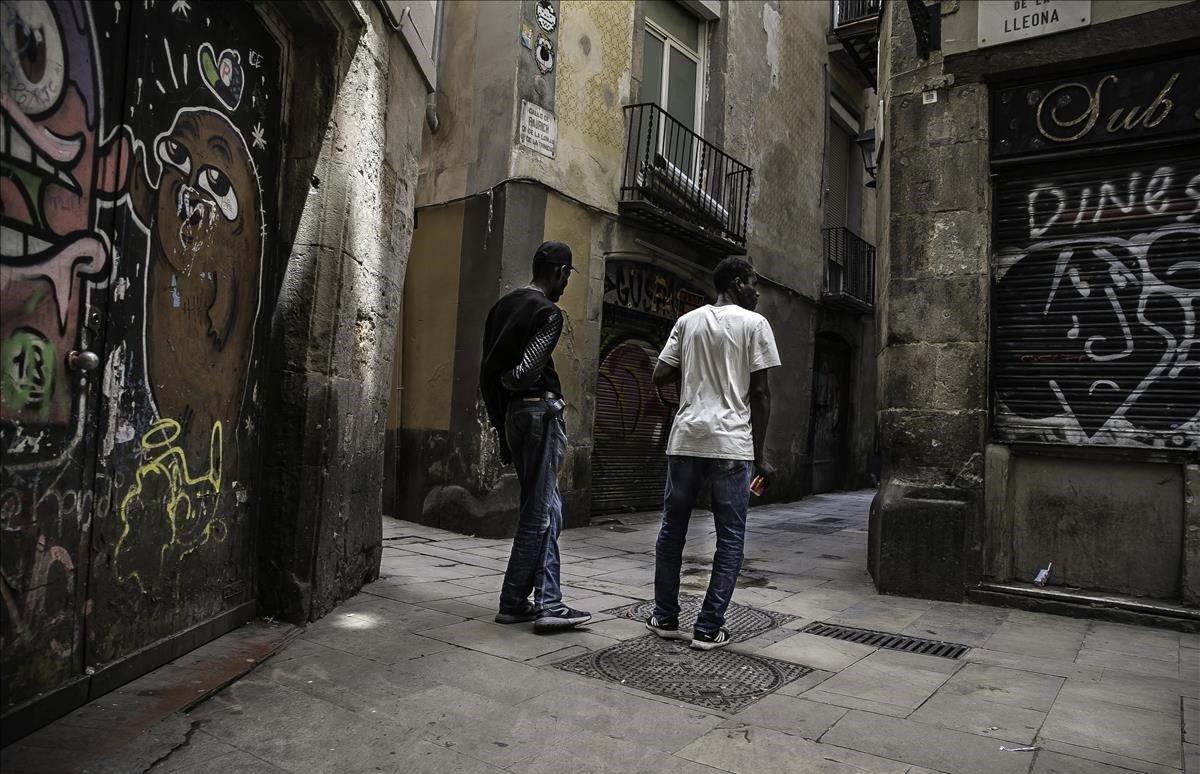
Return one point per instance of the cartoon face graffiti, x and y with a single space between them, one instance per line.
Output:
53 169
206 226
208 200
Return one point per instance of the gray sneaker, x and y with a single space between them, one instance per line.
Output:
560 618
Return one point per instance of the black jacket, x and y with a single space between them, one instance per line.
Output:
518 338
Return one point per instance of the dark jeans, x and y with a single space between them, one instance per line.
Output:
730 494
537 437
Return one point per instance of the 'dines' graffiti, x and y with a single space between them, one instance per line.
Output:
58 162
1096 335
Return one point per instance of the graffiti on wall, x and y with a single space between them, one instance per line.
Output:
1096 311
58 164
134 138
633 417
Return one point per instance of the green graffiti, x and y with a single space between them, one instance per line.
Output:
30 363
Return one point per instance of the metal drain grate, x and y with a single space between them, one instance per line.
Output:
742 622
717 679
887 640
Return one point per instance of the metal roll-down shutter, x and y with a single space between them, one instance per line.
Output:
1095 296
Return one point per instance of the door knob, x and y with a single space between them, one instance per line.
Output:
83 361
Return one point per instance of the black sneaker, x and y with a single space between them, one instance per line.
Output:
702 641
521 616
668 630
560 618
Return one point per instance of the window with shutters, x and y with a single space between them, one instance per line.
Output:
416 21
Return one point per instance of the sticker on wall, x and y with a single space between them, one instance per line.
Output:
222 74
547 17
544 54
526 36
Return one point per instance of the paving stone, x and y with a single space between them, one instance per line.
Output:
373 639
663 725
516 642
416 593
344 679
1158 695
889 677
751 750
461 608
1141 641
1109 659
924 745
1049 762
790 715
873 614
1046 639
985 718
589 753
818 652
1129 731
204 754
478 727
1191 720
1004 685
1025 663
1104 758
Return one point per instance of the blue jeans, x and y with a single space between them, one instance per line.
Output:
537 437
730 495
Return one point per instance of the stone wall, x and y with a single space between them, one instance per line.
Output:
349 197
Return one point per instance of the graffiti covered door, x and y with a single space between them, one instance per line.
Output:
633 423
1095 301
188 320
830 409
63 162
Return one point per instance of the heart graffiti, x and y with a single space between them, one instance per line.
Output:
1102 329
222 74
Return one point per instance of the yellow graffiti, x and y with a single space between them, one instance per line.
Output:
185 493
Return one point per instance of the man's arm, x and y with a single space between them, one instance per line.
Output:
665 373
760 415
536 355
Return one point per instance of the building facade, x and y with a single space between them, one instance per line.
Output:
206 215
1040 397
655 137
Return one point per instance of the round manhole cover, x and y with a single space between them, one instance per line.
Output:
719 679
743 622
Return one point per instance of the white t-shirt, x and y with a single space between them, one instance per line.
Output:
717 348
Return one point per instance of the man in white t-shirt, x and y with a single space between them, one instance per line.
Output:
721 355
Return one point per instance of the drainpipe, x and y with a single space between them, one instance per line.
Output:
431 110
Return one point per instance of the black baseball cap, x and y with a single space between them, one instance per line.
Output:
555 254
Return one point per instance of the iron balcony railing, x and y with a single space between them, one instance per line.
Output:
851 11
849 270
856 28
683 183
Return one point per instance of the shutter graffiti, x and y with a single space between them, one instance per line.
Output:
1095 304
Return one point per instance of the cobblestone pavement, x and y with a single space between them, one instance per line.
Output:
412 675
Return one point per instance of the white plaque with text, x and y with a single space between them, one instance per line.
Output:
1007 21
539 130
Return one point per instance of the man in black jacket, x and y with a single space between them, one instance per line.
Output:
524 401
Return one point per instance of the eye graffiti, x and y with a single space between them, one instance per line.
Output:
34 62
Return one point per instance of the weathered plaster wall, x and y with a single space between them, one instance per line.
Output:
773 71
335 324
591 84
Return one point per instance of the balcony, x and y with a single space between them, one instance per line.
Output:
679 183
856 28
849 271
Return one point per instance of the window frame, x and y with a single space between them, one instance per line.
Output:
699 57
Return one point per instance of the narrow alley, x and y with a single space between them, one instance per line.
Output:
412 675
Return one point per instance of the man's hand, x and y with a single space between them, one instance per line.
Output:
764 469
